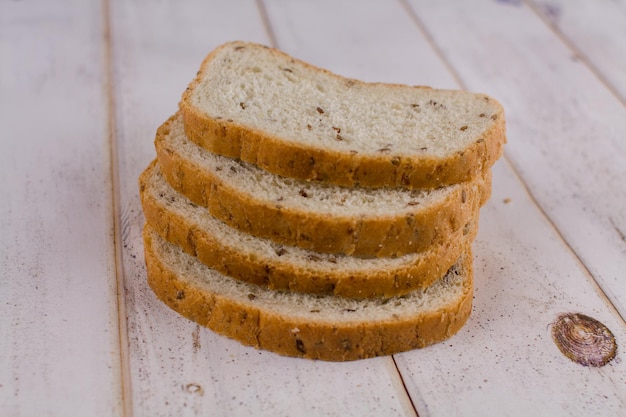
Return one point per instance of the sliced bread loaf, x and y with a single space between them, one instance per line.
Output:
252 102
263 262
312 326
357 221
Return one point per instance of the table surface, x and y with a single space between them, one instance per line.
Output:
84 85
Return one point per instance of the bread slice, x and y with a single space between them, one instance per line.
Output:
263 262
317 327
364 222
252 102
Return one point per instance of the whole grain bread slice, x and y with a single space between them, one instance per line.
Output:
263 262
311 326
358 221
256 103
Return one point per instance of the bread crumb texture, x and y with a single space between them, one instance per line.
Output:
297 120
270 91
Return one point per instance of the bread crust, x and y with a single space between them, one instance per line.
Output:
413 230
253 324
276 272
308 162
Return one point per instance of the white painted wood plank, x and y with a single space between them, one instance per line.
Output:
59 346
565 128
480 371
180 368
177 367
597 30
370 40
504 361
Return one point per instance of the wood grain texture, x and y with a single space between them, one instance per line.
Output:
491 359
177 367
59 347
596 31
372 41
505 363
180 368
565 128
546 238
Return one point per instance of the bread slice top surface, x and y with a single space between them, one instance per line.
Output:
269 91
321 198
442 296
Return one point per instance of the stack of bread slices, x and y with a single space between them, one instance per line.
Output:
317 216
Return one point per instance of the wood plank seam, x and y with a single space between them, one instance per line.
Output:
115 202
267 24
429 39
556 230
420 25
619 231
406 389
534 7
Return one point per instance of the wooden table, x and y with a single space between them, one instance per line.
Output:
84 85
